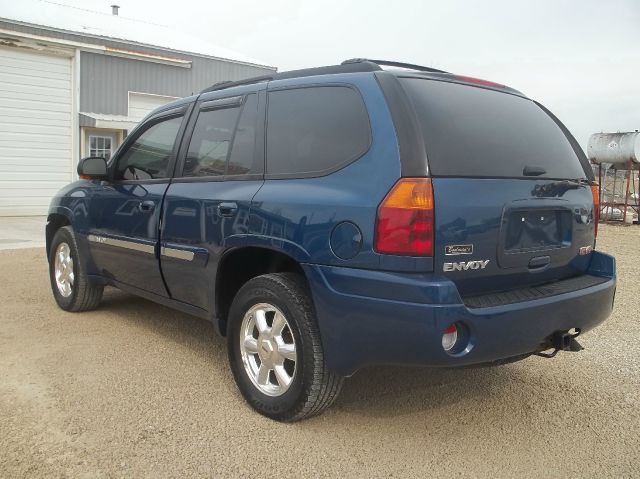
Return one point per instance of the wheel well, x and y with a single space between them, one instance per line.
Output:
241 265
54 223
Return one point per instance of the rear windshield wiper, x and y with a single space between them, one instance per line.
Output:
533 171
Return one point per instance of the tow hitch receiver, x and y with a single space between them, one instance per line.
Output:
562 341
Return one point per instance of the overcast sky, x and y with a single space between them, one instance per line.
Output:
580 58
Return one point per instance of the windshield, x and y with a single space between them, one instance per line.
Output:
471 131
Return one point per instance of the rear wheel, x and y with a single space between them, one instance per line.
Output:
69 283
275 350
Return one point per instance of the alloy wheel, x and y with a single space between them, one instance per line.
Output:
268 349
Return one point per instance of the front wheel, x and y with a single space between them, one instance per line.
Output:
275 350
69 283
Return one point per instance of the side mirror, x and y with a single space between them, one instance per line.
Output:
92 168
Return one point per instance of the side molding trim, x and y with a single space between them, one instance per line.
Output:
131 245
177 253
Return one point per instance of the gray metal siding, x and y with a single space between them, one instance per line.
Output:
105 80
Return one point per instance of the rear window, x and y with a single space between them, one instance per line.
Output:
314 130
471 131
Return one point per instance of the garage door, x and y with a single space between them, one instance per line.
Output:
141 104
35 130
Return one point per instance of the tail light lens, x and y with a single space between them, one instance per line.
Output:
595 192
404 225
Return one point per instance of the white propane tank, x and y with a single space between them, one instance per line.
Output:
615 148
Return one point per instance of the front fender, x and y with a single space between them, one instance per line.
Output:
70 206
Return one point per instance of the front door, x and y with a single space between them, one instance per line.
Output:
126 210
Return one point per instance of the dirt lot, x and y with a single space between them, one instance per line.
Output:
135 389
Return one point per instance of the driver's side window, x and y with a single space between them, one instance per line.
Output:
148 157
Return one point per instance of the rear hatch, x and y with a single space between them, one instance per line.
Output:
513 202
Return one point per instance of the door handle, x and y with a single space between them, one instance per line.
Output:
539 263
146 206
227 209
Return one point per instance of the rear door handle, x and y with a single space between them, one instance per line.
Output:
539 263
227 208
146 206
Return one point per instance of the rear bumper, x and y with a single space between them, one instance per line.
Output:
373 317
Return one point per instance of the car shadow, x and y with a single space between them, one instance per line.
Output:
388 391
180 328
373 392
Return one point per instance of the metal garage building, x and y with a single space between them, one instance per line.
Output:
74 81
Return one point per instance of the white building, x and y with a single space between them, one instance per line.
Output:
74 81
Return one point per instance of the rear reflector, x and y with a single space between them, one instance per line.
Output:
595 192
404 225
450 337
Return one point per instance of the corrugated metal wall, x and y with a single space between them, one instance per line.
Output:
106 80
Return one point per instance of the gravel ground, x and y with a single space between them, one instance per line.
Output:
138 390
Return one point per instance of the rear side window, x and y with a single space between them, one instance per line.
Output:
210 142
470 131
223 141
312 131
242 153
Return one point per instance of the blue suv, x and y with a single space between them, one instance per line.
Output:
339 217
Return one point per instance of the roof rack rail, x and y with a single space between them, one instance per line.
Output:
354 65
228 83
363 66
394 64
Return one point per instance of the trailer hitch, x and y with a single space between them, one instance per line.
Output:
562 341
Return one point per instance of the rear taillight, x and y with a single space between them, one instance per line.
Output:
595 192
404 225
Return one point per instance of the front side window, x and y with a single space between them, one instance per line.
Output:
150 154
314 130
100 146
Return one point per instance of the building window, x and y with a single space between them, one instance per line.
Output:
100 146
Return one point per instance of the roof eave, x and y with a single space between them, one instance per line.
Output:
131 42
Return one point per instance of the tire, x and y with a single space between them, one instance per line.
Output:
313 387
74 292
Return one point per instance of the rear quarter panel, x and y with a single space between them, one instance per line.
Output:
297 216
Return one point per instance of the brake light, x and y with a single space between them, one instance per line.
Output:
479 81
595 192
404 225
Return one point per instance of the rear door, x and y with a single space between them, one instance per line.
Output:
206 209
513 203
